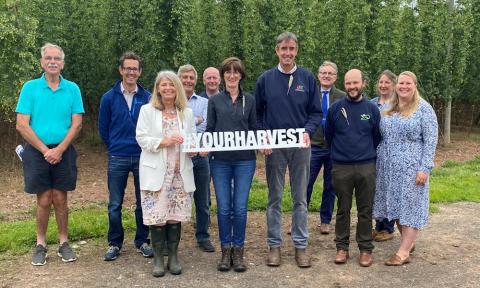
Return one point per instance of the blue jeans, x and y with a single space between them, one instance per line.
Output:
385 225
118 170
232 207
321 157
201 172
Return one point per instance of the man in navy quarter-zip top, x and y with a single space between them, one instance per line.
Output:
119 110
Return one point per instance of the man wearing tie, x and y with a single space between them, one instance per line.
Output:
327 75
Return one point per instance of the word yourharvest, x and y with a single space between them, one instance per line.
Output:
243 140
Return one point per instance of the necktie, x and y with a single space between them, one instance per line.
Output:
324 107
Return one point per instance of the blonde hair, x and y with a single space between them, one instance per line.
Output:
391 76
180 98
411 107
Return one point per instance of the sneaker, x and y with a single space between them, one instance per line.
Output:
206 246
66 252
39 257
145 250
19 151
112 253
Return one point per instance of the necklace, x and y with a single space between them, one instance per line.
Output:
171 112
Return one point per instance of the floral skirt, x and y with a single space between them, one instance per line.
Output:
171 203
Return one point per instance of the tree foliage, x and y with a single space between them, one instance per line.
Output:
17 53
372 35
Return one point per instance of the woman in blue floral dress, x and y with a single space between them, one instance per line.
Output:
404 161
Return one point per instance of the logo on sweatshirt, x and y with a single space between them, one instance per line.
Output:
364 117
300 88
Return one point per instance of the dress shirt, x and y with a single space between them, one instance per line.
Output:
199 105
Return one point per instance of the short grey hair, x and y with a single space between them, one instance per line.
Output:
329 63
187 68
50 45
285 36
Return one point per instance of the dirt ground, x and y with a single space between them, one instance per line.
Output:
446 256
447 250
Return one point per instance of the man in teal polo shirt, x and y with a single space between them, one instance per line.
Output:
49 117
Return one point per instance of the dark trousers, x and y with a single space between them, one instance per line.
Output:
346 179
321 157
201 196
385 225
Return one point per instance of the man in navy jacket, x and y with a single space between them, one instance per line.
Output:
287 97
352 132
119 110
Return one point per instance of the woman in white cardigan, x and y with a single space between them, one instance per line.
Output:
166 173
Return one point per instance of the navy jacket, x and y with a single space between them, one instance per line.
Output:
281 107
117 124
353 135
223 115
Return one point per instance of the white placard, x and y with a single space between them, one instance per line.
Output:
243 140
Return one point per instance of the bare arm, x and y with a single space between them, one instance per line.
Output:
23 127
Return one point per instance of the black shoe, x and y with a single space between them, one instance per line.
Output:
206 246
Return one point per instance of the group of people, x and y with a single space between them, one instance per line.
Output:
381 150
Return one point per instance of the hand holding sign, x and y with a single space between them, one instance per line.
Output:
173 139
263 140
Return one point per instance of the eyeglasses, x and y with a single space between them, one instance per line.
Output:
130 69
56 59
327 73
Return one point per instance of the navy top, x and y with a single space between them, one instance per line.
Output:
117 124
282 107
352 131
223 115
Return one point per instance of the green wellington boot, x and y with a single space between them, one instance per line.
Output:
174 231
158 235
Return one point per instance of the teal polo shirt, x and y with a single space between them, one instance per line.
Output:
50 111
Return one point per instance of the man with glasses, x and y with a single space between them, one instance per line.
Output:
119 110
49 117
327 75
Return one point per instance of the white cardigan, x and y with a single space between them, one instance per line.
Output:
153 160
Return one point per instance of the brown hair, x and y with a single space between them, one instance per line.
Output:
390 75
132 56
232 63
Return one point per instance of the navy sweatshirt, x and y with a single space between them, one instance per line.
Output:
353 139
117 124
281 107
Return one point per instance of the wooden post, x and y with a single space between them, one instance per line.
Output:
448 108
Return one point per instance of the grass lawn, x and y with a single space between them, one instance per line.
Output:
452 182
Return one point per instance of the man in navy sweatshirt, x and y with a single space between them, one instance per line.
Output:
352 132
287 97
119 110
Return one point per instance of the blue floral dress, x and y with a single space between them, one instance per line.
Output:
407 146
